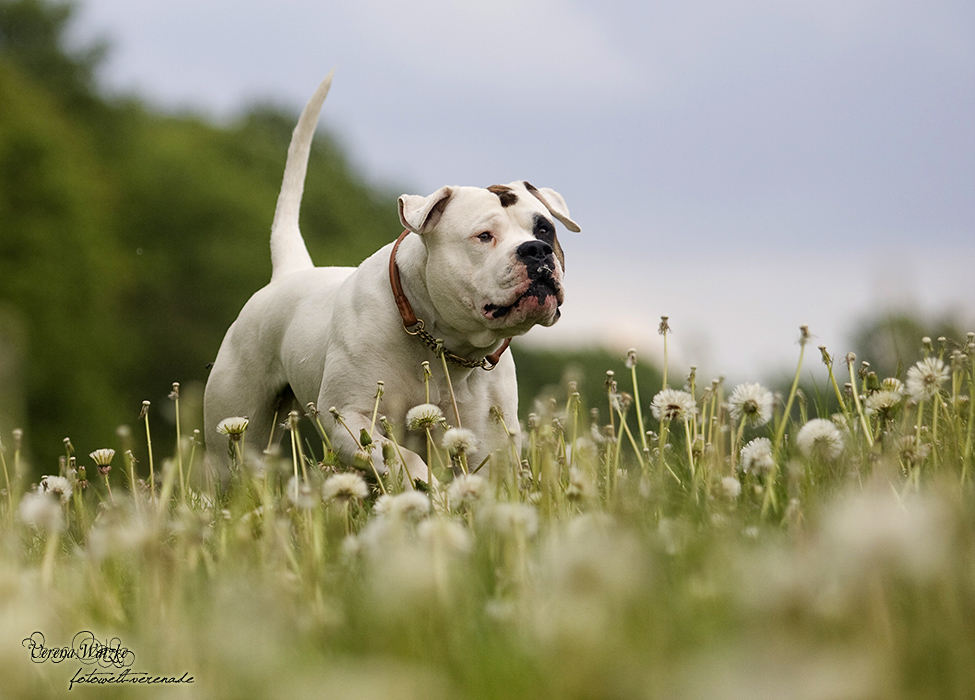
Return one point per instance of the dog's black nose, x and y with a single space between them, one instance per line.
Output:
533 251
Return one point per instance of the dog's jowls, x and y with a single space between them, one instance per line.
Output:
479 266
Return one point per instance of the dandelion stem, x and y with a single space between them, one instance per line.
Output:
152 467
133 484
179 444
770 499
274 424
735 447
169 481
859 407
6 477
780 431
574 403
399 454
297 455
662 443
50 555
315 415
375 407
109 487
828 361
450 386
629 435
664 329
636 400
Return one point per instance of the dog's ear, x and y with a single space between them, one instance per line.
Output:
555 204
420 214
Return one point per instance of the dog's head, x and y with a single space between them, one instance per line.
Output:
494 265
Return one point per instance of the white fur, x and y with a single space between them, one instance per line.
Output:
331 333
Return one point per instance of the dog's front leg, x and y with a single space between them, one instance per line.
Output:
348 426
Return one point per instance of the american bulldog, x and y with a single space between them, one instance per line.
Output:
473 268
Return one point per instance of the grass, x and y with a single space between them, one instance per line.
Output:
708 543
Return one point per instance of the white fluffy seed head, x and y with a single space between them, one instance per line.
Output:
731 487
820 438
410 506
344 487
102 457
924 379
882 402
233 427
673 404
41 510
751 403
426 415
459 441
510 518
757 457
58 486
467 489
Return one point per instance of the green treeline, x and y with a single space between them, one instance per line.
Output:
130 238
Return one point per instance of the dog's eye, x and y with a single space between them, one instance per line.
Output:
485 237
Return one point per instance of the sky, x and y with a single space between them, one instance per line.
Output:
742 167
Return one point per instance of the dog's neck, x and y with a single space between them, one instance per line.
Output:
437 335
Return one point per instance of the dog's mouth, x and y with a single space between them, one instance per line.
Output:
541 291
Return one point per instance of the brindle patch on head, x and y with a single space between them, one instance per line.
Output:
544 231
553 241
507 195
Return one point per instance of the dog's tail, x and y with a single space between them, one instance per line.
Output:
288 250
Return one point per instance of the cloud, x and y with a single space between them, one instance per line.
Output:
549 47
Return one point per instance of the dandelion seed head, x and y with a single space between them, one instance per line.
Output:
102 457
757 457
752 403
466 490
510 518
345 487
892 384
878 531
445 534
424 416
882 402
820 438
912 451
233 427
630 358
410 506
731 487
58 486
41 510
580 486
673 404
459 441
925 378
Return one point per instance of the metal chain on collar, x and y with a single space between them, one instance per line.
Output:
436 345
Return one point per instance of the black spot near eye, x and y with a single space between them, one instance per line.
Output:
544 230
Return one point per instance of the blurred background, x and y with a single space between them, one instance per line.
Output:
743 168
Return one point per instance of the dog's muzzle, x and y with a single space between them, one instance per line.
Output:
539 261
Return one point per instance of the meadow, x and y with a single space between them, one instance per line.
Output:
686 540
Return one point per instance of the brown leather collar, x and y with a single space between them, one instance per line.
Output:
414 326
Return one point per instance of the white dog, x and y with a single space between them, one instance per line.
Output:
474 268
